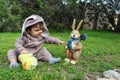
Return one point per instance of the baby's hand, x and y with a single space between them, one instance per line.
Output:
24 52
66 47
61 42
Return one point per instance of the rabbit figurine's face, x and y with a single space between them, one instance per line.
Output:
75 34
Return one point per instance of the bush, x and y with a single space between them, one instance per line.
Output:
57 15
10 18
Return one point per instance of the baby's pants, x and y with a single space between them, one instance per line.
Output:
12 54
42 54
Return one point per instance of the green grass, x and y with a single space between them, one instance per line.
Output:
101 51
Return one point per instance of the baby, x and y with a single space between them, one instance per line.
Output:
34 34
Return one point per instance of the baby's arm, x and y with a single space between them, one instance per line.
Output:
19 46
53 40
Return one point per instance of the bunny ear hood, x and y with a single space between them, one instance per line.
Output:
31 20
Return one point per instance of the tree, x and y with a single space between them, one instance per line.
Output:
59 14
111 8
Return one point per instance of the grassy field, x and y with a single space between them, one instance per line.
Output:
101 51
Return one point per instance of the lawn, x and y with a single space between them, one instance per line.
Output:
101 51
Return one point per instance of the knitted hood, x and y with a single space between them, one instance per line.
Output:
31 20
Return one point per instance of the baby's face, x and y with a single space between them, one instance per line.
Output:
36 30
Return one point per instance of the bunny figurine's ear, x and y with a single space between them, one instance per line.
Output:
73 24
79 25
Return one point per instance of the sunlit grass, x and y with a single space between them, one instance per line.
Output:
101 52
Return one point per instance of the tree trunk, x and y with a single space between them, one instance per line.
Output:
112 21
118 24
95 20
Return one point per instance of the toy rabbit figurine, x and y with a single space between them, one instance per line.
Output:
29 62
74 47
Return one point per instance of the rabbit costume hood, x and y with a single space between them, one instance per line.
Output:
31 20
